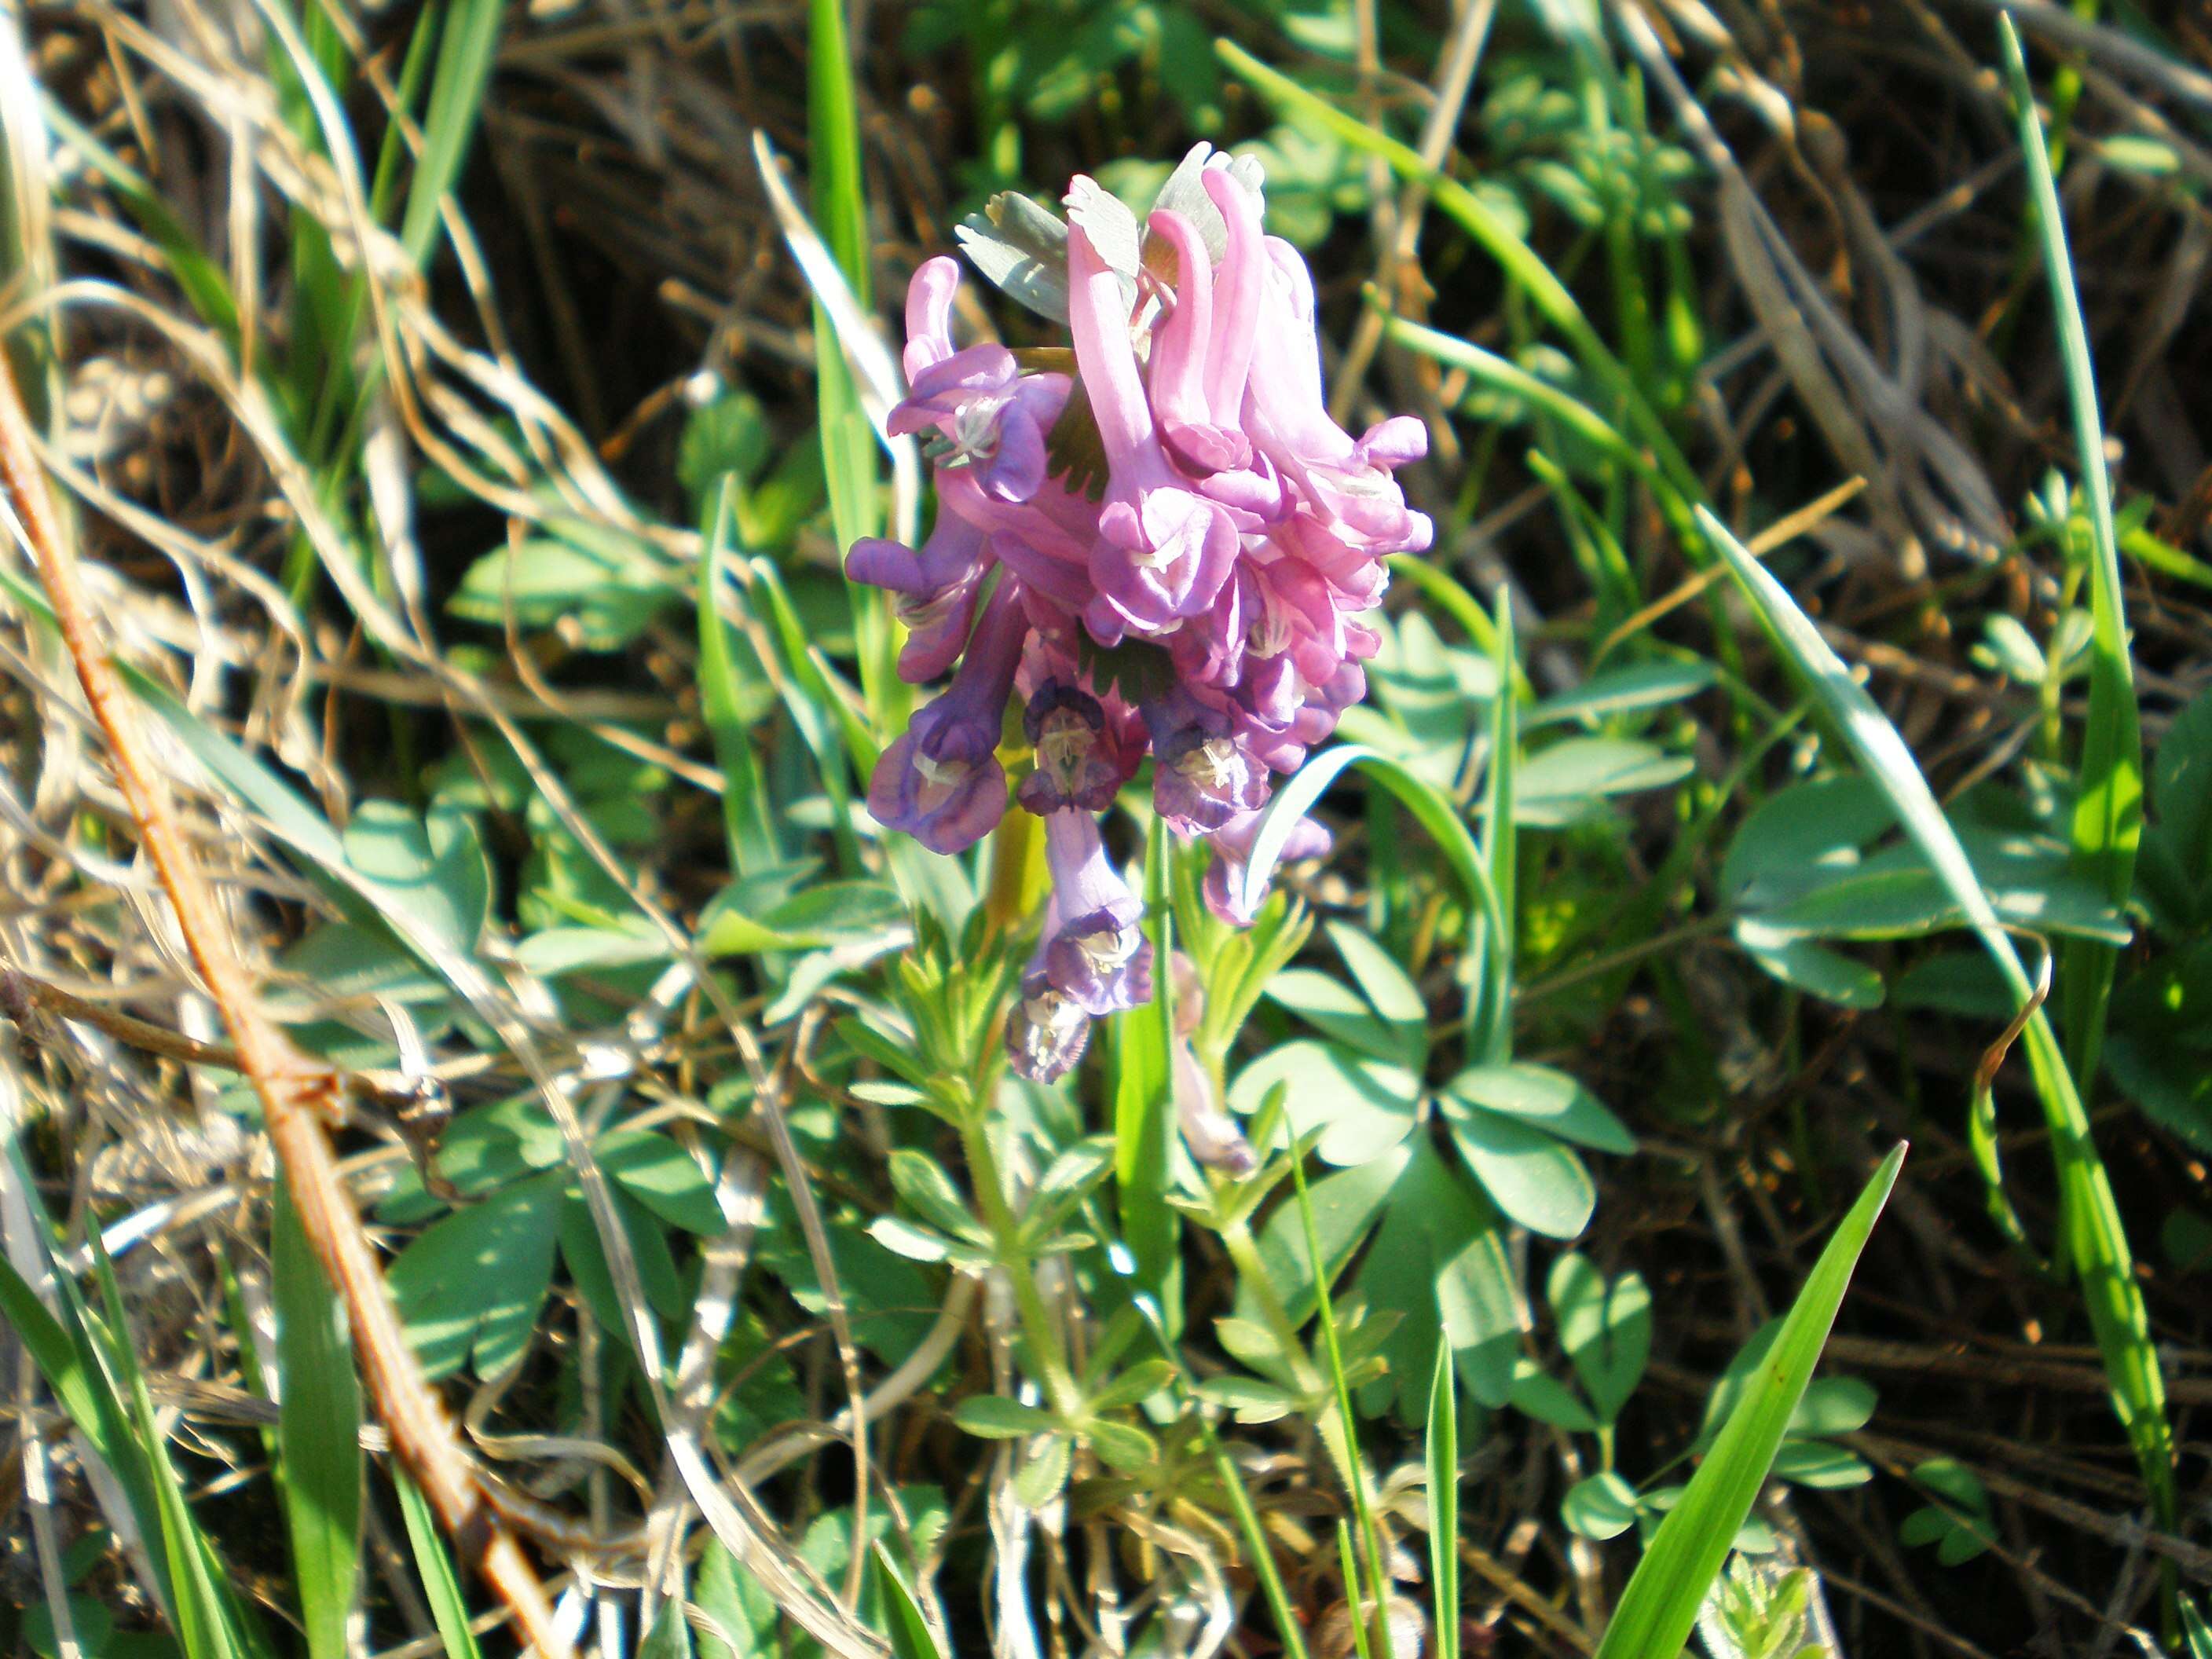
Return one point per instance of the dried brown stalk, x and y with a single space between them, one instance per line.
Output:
298 1095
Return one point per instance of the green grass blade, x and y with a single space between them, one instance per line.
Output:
2095 1240
747 818
1490 1007
434 1564
319 1433
211 1621
1375 1592
1143 1107
206 289
1489 370
60 1347
910 1635
2108 809
466 46
1443 1450
1659 1609
848 443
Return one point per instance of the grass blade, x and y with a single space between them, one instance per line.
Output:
448 1608
1375 1593
465 48
1443 1450
1519 262
319 1433
1659 1609
1144 1109
2095 1241
1430 808
746 817
1490 1006
849 446
2108 808
910 1634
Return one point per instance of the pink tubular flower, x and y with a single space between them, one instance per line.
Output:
1177 543
1163 549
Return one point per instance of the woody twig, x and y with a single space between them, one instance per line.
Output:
296 1093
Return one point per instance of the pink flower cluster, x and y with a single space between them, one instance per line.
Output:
1196 597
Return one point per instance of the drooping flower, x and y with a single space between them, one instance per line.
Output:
1203 777
934 591
1097 955
941 782
1048 1031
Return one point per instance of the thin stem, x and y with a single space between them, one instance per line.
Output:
1047 1347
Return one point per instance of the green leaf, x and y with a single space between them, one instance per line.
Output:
1324 1001
318 1434
1532 1177
921 1181
1601 1506
1605 1327
994 1417
600 587
1344 1206
1804 966
1536 1393
828 914
1439 1259
1122 1446
1361 1108
2175 875
1624 690
1660 1607
1395 997
1566 781
1543 1098
473 1282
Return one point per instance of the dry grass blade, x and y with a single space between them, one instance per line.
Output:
296 1096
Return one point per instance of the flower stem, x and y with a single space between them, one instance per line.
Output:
1046 1349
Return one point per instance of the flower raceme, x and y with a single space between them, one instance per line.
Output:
1167 553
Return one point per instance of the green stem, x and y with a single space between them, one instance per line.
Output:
1046 1348
1252 1272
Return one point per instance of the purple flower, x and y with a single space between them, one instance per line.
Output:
989 416
1097 955
1047 1032
1162 550
1223 887
1203 777
935 588
941 782
1082 761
